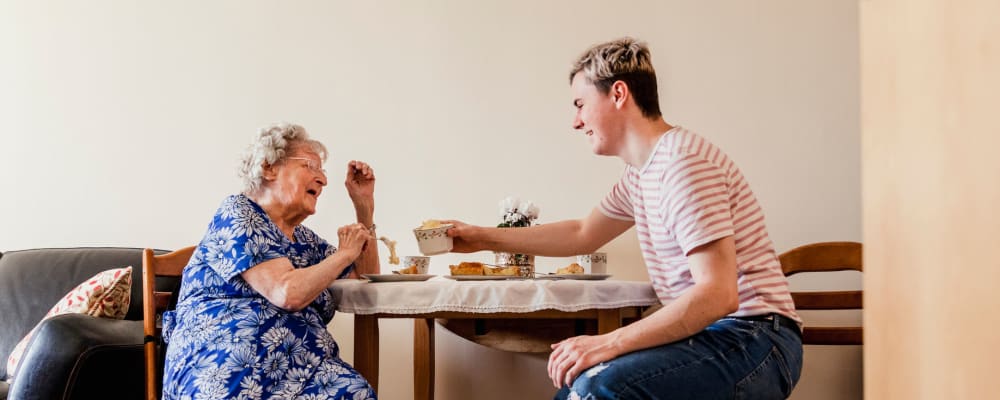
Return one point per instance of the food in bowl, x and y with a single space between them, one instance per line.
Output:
430 224
467 268
432 241
571 269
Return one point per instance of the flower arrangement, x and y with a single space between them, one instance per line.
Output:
515 213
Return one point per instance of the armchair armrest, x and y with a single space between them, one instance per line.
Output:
80 356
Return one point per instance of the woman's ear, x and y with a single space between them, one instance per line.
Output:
270 172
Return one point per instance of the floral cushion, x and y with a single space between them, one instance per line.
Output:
105 295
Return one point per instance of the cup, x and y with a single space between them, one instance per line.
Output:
433 241
593 263
420 262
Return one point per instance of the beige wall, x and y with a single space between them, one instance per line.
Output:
123 122
931 91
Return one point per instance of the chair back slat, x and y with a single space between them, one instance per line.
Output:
826 257
822 257
154 304
849 300
832 336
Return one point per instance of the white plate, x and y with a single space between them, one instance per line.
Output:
397 277
483 277
579 277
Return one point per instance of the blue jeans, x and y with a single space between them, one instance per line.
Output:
730 359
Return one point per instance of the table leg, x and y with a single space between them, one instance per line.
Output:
423 359
366 348
608 320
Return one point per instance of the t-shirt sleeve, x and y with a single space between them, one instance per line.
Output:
696 201
618 203
239 238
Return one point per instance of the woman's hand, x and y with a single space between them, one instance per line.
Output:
572 356
464 237
360 183
352 239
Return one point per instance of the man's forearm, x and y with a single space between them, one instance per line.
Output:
689 314
557 239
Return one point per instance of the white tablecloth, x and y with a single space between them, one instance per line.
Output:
440 294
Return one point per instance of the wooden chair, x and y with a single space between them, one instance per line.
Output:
154 302
821 257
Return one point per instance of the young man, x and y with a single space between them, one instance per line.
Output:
728 327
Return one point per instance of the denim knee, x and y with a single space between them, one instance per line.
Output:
592 385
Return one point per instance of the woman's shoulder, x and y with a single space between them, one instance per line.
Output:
237 204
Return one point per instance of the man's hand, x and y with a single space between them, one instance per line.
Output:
572 356
465 237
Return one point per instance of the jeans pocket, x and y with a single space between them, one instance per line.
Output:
770 380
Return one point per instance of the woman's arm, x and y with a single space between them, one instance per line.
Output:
293 288
360 184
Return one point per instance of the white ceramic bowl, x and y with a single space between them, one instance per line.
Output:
434 240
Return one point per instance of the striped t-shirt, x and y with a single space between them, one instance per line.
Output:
688 194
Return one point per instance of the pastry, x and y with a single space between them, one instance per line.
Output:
573 268
408 270
467 268
511 270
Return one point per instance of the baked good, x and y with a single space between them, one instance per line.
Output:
408 270
571 269
511 270
467 268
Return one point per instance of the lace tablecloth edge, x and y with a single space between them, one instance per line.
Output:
494 309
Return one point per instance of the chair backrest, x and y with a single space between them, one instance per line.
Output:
154 304
822 257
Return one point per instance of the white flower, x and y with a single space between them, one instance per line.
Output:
514 212
531 211
524 205
509 205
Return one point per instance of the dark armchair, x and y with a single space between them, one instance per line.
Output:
71 356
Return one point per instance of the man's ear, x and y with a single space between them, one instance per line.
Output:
619 93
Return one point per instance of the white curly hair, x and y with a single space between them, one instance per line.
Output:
269 147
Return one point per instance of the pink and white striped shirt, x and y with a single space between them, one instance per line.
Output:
688 194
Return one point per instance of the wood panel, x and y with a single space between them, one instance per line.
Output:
931 189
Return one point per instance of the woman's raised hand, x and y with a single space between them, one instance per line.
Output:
360 181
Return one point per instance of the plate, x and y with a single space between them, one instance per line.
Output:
397 277
483 277
579 277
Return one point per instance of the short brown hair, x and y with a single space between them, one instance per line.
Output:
626 60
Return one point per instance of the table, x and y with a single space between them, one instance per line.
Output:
471 308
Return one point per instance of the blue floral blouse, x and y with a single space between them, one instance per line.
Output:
226 341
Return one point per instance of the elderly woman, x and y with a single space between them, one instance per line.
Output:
251 318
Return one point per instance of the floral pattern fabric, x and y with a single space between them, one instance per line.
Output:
105 295
226 341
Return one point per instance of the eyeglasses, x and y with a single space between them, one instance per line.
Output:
311 164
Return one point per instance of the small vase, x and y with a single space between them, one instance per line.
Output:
525 261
